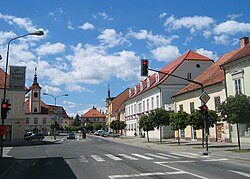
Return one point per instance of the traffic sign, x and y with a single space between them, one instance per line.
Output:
3 129
204 97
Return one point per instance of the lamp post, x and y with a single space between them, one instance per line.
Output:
38 33
55 97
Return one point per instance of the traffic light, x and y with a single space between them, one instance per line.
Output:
144 67
204 109
5 107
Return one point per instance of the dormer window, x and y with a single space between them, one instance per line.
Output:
148 83
141 86
135 90
129 93
157 78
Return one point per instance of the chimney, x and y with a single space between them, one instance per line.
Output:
243 42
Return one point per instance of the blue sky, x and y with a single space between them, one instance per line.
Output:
90 44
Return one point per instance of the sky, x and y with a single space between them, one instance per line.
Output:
89 45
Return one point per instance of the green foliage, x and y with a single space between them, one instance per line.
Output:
77 121
97 126
146 123
196 120
236 109
117 125
89 127
179 120
159 117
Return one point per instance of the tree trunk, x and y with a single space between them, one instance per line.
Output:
147 136
160 135
179 137
238 134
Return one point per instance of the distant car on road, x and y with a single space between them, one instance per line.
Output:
105 134
71 135
99 132
34 136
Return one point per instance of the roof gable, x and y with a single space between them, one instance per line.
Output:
93 113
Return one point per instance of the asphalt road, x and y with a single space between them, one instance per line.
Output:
99 158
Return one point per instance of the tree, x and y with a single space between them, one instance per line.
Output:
146 124
117 125
77 121
54 127
178 121
160 117
97 126
89 127
236 110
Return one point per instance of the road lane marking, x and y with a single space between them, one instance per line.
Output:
215 160
99 139
128 157
83 159
241 173
198 155
156 156
182 155
167 155
97 158
142 156
113 157
146 174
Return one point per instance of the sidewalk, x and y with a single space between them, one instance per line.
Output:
226 150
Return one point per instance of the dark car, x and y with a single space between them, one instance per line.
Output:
71 135
34 136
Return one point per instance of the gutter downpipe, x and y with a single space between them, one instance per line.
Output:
160 107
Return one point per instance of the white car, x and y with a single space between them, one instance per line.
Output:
99 132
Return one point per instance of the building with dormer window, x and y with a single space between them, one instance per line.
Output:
158 90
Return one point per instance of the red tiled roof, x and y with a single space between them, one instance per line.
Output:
170 68
214 74
119 100
27 106
245 51
64 114
93 113
2 77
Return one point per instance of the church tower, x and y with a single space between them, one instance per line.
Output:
35 96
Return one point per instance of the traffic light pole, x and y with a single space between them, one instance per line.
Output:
202 90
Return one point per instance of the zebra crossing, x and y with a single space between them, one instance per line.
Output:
137 156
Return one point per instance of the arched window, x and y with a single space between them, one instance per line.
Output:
35 94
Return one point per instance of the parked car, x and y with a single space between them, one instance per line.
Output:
98 132
71 135
34 136
27 134
106 134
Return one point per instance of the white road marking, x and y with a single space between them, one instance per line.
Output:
182 155
142 156
170 156
128 157
99 139
113 157
215 160
83 159
156 156
179 161
146 174
97 158
198 155
6 151
241 173
89 139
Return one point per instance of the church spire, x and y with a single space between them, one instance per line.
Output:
108 91
35 78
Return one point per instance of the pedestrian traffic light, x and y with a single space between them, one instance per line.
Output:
5 107
204 109
144 67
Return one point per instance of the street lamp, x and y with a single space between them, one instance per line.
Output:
55 97
38 33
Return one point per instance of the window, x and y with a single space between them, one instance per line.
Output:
157 78
44 121
139 107
191 107
157 101
216 103
152 103
35 94
147 104
27 120
35 121
237 86
189 76
135 108
143 106
181 107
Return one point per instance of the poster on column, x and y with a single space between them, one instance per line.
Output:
17 78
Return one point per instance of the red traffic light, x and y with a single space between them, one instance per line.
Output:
4 105
145 62
204 107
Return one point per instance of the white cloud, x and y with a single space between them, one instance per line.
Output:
5 36
51 90
207 53
111 38
87 26
155 40
207 34
77 88
234 16
222 39
105 16
51 49
162 15
232 27
166 53
193 23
